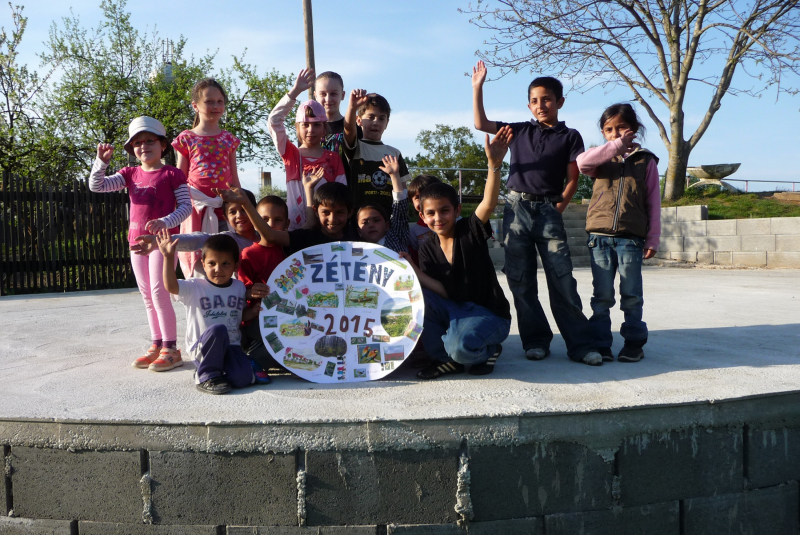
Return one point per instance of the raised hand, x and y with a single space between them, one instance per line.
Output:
105 151
155 226
390 165
358 97
310 180
627 138
497 148
145 244
479 74
166 244
234 195
305 79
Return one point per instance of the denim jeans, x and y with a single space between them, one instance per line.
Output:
608 255
528 227
465 333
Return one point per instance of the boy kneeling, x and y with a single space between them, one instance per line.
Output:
214 308
466 313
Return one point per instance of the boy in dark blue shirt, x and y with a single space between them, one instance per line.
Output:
543 154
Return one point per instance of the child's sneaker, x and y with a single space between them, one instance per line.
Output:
215 386
168 358
262 377
606 353
630 353
147 359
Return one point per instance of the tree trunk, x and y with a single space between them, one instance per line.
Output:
675 177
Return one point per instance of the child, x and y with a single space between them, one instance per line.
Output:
207 154
419 232
542 155
375 226
159 201
214 310
258 262
624 227
329 91
467 316
368 182
331 203
311 126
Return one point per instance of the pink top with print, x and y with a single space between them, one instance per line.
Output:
152 196
209 159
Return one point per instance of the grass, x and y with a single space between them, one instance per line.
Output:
726 205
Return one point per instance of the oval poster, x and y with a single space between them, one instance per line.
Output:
342 312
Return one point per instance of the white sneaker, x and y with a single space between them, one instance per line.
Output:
536 353
592 358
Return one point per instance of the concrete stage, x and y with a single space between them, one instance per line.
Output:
713 411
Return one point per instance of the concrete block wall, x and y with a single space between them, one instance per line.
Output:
688 235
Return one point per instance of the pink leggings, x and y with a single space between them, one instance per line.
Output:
149 277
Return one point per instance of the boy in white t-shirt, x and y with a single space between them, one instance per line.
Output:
215 307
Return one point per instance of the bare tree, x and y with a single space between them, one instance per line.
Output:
650 47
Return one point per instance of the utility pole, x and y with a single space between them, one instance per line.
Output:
309 28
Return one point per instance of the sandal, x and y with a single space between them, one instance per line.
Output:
485 368
437 370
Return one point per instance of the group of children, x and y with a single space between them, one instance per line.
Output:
344 183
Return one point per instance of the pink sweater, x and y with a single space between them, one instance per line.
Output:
594 157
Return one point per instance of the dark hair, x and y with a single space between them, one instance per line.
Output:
374 100
221 243
374 206
439 191
330 75
548 82
331 194
197 94
628 115
277 201
250 196
311 114
419 182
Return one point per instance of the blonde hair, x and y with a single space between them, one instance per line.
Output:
197 94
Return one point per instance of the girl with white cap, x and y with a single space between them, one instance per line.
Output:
311 125
159 201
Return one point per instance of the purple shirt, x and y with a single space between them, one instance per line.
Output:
152 196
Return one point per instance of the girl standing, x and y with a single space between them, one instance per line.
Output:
624 226
207 154
312 126
159 201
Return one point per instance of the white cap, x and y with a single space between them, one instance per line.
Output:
143 124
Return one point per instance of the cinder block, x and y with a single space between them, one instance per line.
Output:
27 526
671 244
684 256
109 528
773 456
92 485
674 465
721 227
787 243
657 519
765 511
723 243
517 526
406 487
749 259
785 225
692 213
295 530
425 529
662 254
764 242
669 214
671 228
723 258
536 479
4 479
239 489
693 229
783 260
746 227
705 258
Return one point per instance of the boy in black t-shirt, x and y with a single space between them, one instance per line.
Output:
466 313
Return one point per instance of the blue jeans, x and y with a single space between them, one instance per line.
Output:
528 227
608 255
465 333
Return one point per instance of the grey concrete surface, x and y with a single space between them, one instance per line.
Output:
714 335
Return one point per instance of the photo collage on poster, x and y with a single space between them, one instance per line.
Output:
342 312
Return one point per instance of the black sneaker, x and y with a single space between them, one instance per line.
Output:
606 353
437 370
630 353
215 386
485 368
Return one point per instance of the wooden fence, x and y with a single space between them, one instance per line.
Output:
62 238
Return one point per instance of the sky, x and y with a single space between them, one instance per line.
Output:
416 53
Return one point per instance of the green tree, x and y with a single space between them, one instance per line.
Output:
453 147
271 190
